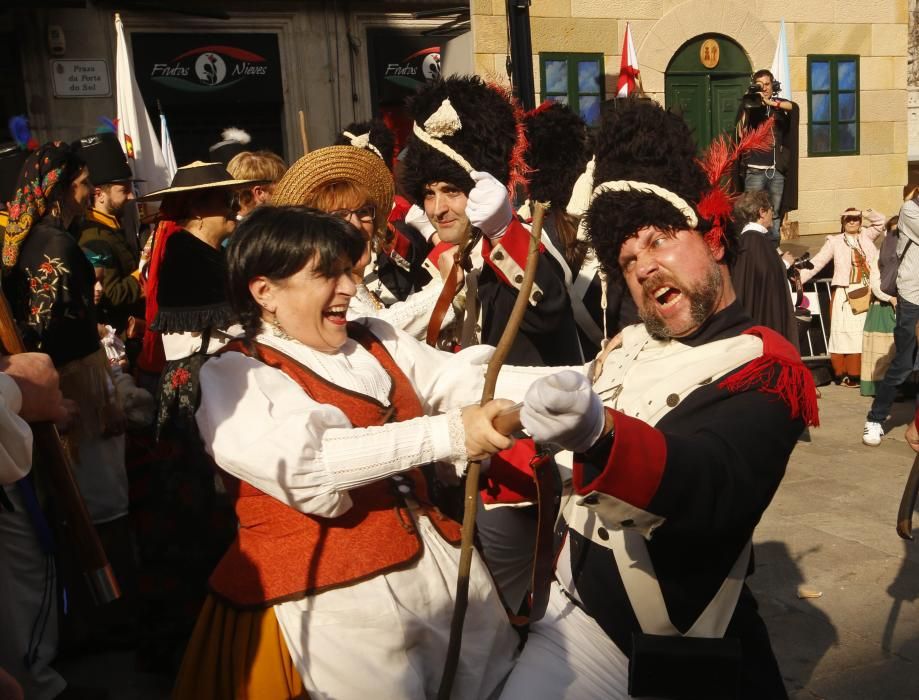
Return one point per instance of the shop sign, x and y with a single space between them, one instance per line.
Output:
414 70
192 67
80 78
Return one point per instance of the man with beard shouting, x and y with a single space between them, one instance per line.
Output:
681 429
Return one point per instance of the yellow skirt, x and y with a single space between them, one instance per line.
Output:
237 655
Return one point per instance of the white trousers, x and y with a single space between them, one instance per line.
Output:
387 637
23 582
568 655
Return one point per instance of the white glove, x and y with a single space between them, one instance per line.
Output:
416 217
489 207
563 409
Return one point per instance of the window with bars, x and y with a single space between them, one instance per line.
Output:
833 107
574 79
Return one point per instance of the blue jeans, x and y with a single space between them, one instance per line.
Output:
773 183
904 338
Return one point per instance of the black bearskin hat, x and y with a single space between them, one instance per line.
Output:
557 152
641 141
380 137
490 137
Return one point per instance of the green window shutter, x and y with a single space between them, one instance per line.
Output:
575 79
832 105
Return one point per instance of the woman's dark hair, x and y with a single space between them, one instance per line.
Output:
277 242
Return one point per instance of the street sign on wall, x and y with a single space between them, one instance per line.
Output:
85 77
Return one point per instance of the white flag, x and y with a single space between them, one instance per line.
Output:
780 69
135 131
168 155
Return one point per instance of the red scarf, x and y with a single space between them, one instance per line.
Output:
152 358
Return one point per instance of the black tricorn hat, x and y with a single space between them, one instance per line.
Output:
476 121
556 151
11 159
104 157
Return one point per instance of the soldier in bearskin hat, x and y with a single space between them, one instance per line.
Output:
463 159
681 434
102 235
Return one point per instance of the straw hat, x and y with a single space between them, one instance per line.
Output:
199 176
336 163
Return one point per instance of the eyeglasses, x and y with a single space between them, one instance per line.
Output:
365 214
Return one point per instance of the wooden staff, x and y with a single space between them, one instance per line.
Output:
473 470
305 143
57 477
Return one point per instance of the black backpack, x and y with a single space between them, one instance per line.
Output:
889 261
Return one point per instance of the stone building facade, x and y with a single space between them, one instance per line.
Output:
875 34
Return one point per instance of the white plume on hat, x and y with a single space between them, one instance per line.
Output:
233 133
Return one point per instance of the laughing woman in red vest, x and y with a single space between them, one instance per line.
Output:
340 582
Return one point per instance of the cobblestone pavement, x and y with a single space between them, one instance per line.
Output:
830 532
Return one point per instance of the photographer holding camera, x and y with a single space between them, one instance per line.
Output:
774 171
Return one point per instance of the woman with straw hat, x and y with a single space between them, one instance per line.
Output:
354 184
183 525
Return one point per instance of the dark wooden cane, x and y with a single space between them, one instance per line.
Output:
473 470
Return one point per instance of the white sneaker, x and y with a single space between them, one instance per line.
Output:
873 433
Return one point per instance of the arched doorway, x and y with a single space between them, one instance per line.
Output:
705 80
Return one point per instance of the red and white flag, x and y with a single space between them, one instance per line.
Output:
629 74
135 130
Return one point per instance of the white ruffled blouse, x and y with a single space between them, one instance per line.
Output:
261 427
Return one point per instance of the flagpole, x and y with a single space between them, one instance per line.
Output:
135 130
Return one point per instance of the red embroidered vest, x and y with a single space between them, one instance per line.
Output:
282 554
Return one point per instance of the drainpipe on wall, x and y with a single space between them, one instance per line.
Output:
520 61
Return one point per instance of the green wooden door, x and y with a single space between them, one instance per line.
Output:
725 97
707 97
688 94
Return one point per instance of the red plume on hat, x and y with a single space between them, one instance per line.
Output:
717 204
518 169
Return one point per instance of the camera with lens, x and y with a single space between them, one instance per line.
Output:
753 98
803 262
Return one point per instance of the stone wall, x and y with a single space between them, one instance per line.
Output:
876 31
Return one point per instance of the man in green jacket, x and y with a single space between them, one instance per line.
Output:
102 236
